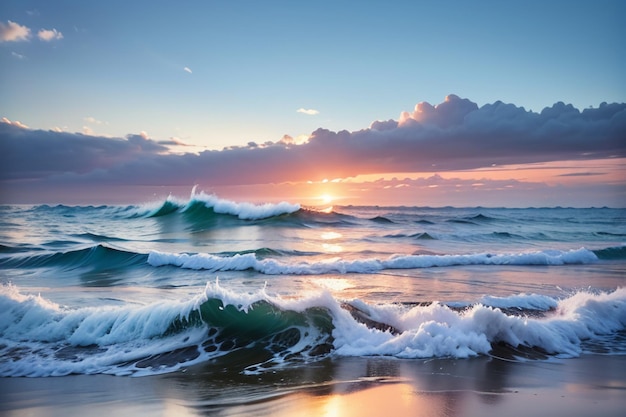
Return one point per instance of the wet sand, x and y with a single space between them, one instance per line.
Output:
589 385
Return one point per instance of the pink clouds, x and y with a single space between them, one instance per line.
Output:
48 35
13 32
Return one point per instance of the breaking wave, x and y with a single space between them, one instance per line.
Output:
241 262
41 338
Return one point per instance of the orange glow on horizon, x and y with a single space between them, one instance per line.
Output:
565 183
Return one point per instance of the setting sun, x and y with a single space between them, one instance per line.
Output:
326 198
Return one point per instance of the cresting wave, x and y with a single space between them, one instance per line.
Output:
274 267
207 204
260 332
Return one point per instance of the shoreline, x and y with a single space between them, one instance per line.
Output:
363 386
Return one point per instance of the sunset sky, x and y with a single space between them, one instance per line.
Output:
416 103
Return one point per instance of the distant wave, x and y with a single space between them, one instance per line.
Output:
260 332
208 211
418 236
211 204
366 266
381 219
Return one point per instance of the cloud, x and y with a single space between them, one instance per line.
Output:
92 120
186 69
13 32
454 135
582 174
18 56
48 35
310 112
15 123
37 154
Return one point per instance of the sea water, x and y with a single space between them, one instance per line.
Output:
159 287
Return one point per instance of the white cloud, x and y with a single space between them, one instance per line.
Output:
310 112
186 69
16 123
92 120
13 32
49 35
18 56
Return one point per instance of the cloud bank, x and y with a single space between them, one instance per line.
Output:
454 135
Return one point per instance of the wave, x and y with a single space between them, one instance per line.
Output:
40 338
612 253
382 220
418 236
201 204
242 262
98 257
204 211
603 234
260 332
14 249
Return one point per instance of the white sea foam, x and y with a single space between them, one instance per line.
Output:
275 267
521 301
125 334
120 334
245 211
436 330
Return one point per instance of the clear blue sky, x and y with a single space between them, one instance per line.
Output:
119 67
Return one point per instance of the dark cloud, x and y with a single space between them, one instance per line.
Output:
38 154
582 174
453 135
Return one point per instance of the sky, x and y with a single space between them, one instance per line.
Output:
415 103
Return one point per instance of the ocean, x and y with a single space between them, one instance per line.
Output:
269 291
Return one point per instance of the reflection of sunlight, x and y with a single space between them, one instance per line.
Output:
334 284
332 248
392 399
330 235
333 407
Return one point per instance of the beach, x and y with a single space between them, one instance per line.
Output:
589 385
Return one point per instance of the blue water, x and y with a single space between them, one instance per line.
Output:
158 287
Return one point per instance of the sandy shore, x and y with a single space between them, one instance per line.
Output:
589 385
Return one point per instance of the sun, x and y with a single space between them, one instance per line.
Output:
326 198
